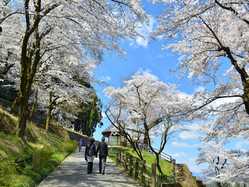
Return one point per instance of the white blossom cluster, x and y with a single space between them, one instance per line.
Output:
74 35
145 97
212 38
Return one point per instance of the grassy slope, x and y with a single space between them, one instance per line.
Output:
24 165
184 176
167 167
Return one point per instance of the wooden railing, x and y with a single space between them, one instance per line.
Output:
165 156
141 171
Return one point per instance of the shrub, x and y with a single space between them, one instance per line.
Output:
32 133
26 164
40 158
69 146
28 171
8 123
7 167
20 181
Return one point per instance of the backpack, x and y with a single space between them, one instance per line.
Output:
103 149
92 150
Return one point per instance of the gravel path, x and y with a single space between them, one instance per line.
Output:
72 173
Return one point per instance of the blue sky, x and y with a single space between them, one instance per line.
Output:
141 55
115 69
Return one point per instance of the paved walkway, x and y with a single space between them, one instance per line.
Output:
72 173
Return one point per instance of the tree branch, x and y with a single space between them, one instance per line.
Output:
241 71
229 8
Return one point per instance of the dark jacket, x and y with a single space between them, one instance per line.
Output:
90 150
102 149
82 142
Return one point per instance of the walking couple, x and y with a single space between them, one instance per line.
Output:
91 152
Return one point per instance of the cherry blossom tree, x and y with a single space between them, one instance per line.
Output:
209 34
70 83
224 164
149 107
74 101
212 39
43 31
117 114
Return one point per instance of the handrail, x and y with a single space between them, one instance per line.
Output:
138 169
135 167
73 131
165 156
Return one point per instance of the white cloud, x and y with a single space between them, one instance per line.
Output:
144 30
106 78
190 131
179 155
182 144
188 135
142 41
200 89
195 168
103 115
191 163
241 145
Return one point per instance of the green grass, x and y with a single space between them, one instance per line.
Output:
166 166
25 165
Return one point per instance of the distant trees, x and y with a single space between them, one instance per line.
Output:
70 83
42 32
51 105
147 107
212 38
89 117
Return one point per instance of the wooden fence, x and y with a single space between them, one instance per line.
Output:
138 169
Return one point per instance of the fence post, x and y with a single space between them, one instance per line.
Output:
123 159
153 175
148 182
136 169
126 161
130 165
174 169
143 168
117 158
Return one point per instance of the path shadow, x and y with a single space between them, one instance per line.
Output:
73 172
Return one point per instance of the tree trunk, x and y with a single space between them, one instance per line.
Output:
246 96
30 57
23 93
50 108
23 116
146 141
34 105
158 164
47 121
219 184
15 105
243 76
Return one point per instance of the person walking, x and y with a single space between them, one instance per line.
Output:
81 144
90 153
103 153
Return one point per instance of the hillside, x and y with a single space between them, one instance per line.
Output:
184 177
70 107
26 164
